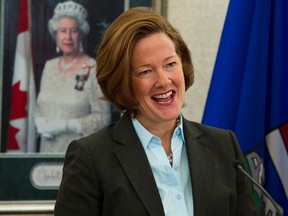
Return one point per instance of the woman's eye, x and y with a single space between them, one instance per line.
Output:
75 30
171 64
144 73
62 30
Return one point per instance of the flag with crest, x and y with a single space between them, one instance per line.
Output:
249 95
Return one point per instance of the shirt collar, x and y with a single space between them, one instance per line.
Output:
145 136
180 128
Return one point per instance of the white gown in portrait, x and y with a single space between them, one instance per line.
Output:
71 96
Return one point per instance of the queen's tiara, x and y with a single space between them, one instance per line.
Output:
70 8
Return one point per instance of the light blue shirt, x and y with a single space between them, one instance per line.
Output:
173 182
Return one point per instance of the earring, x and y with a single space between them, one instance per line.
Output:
81 49
57 48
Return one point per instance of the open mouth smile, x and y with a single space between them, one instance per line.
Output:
165 98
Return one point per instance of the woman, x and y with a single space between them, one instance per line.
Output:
153 161
68 105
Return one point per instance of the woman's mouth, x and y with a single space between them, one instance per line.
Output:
164 98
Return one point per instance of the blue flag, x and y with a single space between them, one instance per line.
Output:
249 92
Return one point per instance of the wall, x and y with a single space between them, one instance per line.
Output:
200 22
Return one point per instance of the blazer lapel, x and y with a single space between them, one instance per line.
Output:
200 156
132 157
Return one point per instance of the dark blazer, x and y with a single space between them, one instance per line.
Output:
108 173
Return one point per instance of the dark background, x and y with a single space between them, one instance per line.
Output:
100 14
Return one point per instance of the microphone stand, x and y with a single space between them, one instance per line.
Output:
237 165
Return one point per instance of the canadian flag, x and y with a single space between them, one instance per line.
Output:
22 132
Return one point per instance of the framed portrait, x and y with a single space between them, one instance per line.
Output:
30 178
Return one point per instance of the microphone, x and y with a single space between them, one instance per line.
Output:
237 165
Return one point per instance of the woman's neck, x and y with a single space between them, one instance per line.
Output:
68 57
163 131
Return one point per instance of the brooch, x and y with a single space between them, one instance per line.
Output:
81 79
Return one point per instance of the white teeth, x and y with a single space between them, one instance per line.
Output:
168 94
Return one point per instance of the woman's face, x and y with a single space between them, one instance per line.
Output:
157 79
68 35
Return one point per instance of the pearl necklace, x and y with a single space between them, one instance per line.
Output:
66 67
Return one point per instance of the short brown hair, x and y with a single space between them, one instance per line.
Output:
115 50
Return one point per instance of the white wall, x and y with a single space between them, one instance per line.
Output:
200 23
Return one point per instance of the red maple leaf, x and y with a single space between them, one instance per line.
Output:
12 142
18 102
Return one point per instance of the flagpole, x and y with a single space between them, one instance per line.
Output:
2 17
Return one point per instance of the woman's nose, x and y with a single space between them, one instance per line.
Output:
69 34
162 78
